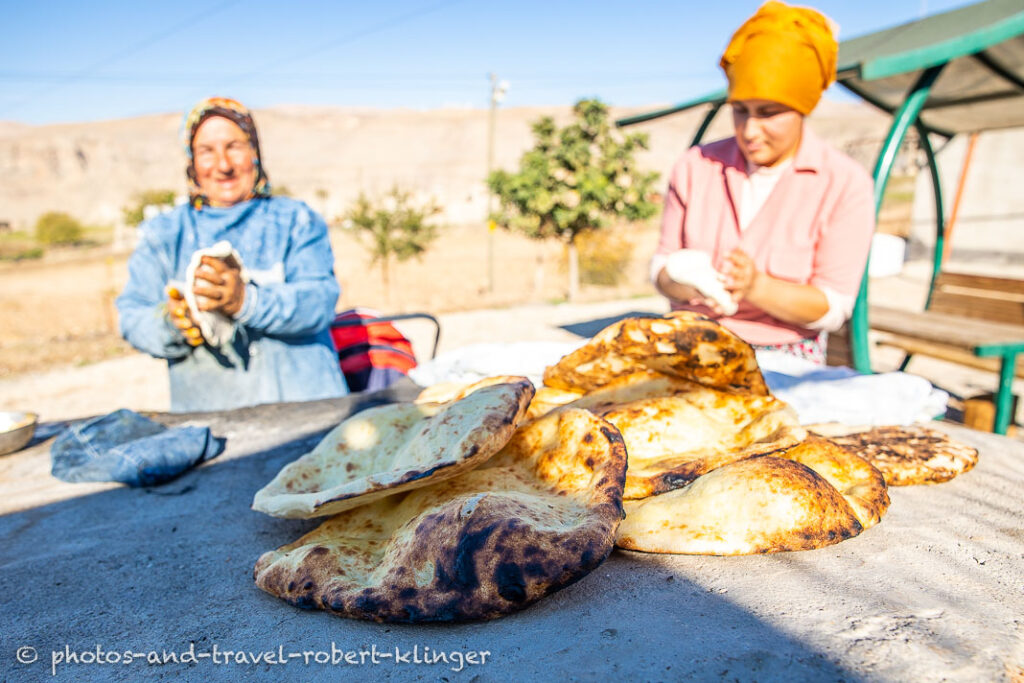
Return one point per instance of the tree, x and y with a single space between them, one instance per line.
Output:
393 227
57 227
574 179
134 213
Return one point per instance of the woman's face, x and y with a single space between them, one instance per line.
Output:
767 132
224 162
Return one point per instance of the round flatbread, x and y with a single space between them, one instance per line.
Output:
683 344
394 448
446 392
758 505
911 455
676 430
859 482
539 516
548 398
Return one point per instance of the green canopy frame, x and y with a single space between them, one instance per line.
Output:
956 72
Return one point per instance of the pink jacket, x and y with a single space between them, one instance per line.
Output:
815 227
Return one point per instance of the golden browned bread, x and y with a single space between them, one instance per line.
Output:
859 482
683 344
398 447
676 430
758 505
537 517
911 455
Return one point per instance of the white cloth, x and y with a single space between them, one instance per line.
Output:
476 361
841 394
217 328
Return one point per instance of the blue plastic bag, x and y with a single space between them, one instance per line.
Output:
127 447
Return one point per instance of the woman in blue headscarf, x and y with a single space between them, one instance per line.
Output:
279 308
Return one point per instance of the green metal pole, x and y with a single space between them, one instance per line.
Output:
940 217
705 124
940 220
1004 397
905 117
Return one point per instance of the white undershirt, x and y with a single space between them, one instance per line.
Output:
757 186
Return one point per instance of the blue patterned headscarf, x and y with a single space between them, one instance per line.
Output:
235 112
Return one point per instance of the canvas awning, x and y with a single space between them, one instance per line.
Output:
979 48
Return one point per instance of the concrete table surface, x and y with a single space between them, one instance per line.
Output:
934 592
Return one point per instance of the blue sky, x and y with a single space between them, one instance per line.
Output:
63 61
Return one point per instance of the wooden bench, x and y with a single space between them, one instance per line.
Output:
973 320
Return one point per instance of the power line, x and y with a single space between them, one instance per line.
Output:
121 54
436 77
349 38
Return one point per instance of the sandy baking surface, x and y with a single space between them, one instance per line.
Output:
935 592
932 593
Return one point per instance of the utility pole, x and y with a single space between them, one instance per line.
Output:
498 90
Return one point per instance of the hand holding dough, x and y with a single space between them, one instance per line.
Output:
693 267
181 317
212 267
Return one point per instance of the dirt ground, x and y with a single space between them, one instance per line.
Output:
60 311
61 355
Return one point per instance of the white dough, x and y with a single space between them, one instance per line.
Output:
693 267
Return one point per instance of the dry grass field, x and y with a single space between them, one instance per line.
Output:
60 310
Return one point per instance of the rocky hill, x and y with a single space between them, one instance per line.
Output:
326 155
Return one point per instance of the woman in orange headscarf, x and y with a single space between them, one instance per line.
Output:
786 219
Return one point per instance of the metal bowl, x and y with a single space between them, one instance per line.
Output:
16 430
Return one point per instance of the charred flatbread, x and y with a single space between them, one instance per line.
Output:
445 392
676 430
758 505
394 448
684 344
859 482
912 454
536 518
548 398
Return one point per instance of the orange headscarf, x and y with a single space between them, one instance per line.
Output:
784 54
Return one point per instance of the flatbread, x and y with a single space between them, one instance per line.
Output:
859 482
676 430
445 392
548 398
634 387
394 448
757 505
683 344
539 516
911 455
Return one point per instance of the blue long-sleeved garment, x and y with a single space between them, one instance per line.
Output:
282 348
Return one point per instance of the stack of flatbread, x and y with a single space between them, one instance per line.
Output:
447 510
716 465
477 500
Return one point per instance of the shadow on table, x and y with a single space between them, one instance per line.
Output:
588 328
165 567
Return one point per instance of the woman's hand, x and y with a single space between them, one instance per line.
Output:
740 276
684 294
790 302
221 287
181 318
